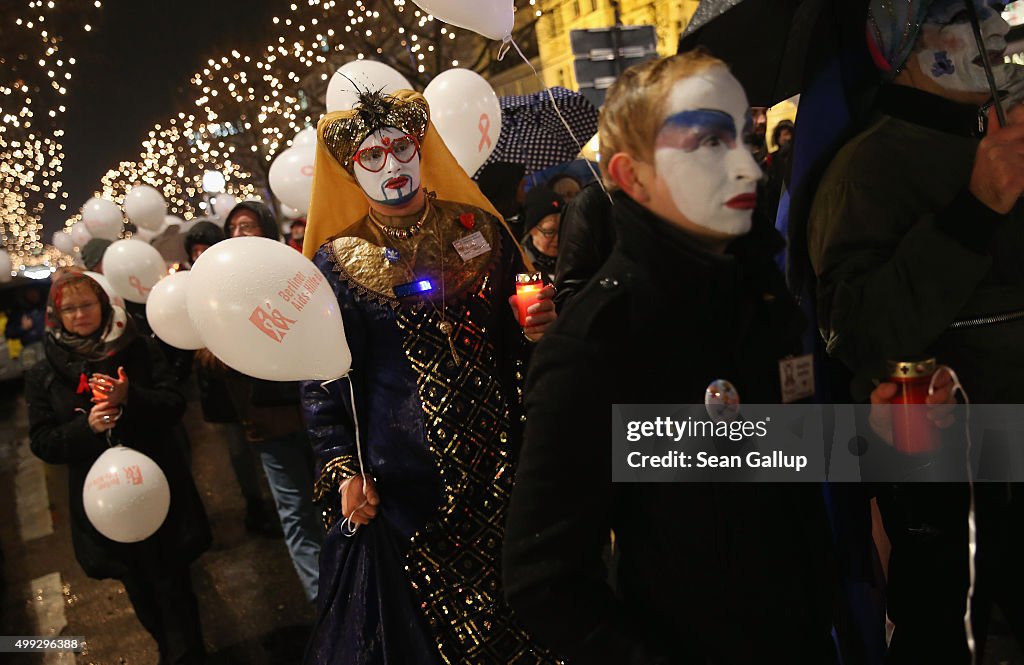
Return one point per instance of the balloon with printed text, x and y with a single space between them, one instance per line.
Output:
126 496
280 322
133 268
465 110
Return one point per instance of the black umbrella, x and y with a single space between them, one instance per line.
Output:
770 45
534 136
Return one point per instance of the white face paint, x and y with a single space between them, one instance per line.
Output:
701 154
396 182
948 52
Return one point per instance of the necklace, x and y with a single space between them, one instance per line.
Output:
445 326
399 233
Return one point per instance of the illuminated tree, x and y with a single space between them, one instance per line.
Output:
37 39
245 108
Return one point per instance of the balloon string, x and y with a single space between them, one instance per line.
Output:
972 526
551 95
348 527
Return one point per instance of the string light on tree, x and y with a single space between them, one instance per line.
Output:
36 68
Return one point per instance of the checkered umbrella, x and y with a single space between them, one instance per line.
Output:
533 135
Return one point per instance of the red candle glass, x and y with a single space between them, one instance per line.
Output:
528 287
913 433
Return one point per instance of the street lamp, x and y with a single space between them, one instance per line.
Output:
213 183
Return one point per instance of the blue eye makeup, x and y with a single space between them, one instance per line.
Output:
689 130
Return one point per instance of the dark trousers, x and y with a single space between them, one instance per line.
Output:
244 463
167 608
928 567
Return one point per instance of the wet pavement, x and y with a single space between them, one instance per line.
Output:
252 607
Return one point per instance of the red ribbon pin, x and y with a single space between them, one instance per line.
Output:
485 126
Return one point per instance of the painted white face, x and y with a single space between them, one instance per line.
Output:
398 177
948 53
701 154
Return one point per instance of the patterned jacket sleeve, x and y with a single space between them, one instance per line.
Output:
328 409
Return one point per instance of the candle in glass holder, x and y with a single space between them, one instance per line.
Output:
528 287
913 433
98 394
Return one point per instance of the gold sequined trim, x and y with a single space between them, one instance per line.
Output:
326 489
343 134
454 562
359 257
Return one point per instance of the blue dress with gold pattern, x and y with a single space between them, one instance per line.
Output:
440 425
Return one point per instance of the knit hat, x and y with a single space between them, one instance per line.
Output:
92 253
540 203
203 233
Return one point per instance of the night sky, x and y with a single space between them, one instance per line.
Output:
140 57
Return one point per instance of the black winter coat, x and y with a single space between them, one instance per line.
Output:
709 573
585 239
60 435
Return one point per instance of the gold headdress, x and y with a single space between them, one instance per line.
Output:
345 133
337 202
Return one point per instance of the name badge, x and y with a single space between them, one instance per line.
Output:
471 246
796 374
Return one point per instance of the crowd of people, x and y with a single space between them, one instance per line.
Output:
450 500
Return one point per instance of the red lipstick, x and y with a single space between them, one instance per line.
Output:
742 202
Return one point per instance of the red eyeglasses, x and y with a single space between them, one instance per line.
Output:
373 159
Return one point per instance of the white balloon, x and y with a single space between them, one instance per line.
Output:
491 18
63 241
126 495
80 234
102 218
267 311
289 212
291 176
223 204
145 235
185 225
173 220
103 282
5 266
133 268
146 207
365 75
306 137
465 110
167 312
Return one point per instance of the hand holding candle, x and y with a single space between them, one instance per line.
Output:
108 389
913 430
533 305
